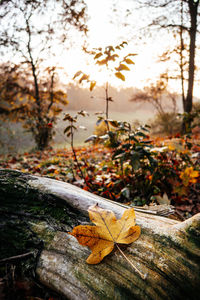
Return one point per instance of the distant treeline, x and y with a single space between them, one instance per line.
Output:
82 98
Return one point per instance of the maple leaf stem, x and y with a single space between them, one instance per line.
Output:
143 276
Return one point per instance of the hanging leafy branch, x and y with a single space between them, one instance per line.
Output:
108 57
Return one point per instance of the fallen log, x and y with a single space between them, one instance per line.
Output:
167 252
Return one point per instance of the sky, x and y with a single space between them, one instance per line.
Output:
107 28
110 23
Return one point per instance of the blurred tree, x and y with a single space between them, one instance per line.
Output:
32 32
180 17
19 102
157 94
164 103
179 70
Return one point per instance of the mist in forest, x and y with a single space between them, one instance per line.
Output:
14 138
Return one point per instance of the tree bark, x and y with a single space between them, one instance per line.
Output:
188 101
167 252
193 10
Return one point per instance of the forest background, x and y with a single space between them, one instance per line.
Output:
103 95
39 60
124 63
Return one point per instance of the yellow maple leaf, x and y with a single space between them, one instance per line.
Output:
107 233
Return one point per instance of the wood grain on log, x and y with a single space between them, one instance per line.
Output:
167 252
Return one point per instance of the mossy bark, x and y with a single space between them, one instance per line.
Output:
167 252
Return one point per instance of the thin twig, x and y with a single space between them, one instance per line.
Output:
143 276
17 257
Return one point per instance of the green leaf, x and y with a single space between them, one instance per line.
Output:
69 118
74 127
144 128
117 152
126 192
83 113
141 134
135 160
121 156
133 138
127 146
120 76
98 122
135 155
152 161
104 137
91 138
113 123
67 129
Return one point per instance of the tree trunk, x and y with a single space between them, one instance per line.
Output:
193 11
167 252
181 64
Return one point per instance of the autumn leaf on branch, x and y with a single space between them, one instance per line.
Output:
107 233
